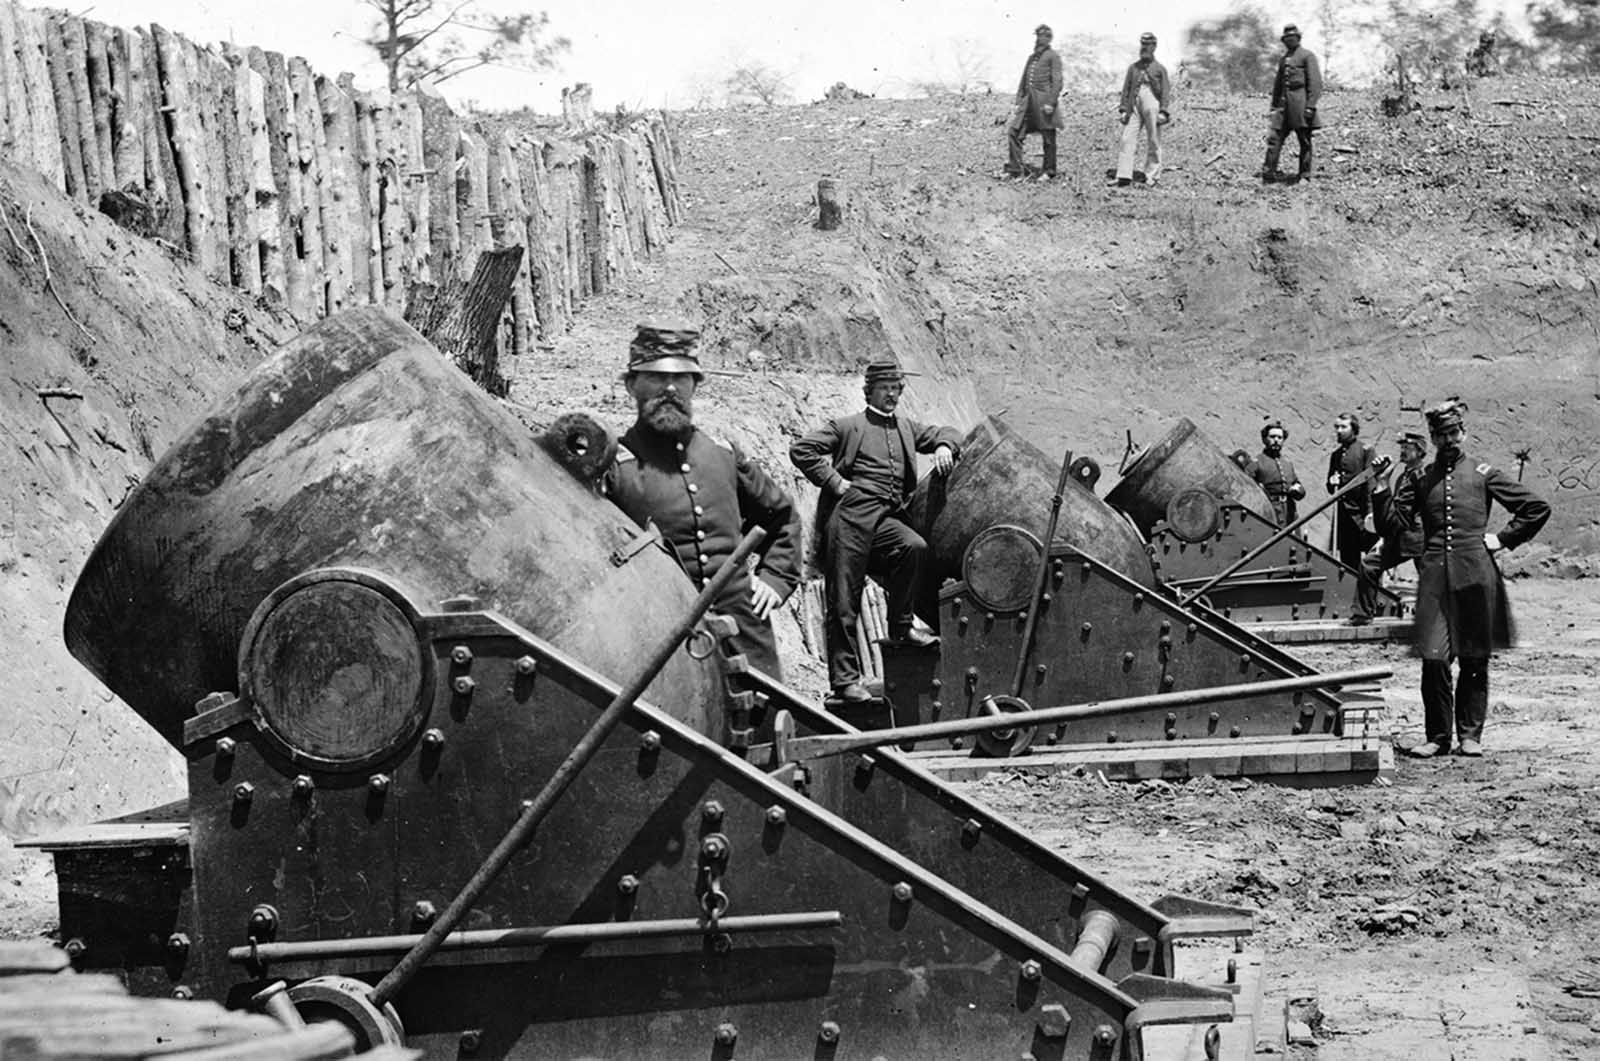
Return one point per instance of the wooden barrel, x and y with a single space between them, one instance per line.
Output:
1183 459
357 445
1002 478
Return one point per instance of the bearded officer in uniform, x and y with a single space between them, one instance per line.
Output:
1275 474
703 493
1460 596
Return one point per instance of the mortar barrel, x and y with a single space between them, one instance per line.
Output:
358 445
1182 459
1004 478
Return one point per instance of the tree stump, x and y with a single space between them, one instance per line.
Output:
463 319
830 204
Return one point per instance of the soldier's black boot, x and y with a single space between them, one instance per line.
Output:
1269 168
1472 703
1049 153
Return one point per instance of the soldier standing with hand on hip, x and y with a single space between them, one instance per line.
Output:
1461 609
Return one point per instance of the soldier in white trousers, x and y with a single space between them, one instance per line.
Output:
1146 95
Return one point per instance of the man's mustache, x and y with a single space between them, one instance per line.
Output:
667 399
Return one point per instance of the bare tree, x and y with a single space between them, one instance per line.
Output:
755 81
1091 63
966 71
435 40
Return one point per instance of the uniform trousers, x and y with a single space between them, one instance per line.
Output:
1373 565
1016 133
1275 141
1448 617
1146 117
867 535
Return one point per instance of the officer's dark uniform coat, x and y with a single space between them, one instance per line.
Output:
703 495
1460 599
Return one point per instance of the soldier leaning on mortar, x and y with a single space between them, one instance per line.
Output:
1461 603
1275 474
866 466
701 492
1146 95
1038 107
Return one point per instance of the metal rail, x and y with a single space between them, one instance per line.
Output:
1285 531
536 809
840 743
532 936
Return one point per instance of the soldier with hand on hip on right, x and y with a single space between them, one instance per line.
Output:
1461 608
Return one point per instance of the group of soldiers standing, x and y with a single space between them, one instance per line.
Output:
703 493
1436 516
1144 108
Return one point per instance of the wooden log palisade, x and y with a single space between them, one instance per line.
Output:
302 190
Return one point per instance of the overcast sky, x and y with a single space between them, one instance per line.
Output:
651 53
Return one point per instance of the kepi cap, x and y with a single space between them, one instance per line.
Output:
1147 38
1291 30
884 372
1415 438
665 347
1042 28
1446 415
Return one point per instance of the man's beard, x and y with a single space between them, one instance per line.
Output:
1272 450
668 414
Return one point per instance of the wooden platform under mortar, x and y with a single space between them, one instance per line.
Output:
1257 1029
1362 755
1317 631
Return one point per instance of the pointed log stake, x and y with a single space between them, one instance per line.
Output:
841 743
536 809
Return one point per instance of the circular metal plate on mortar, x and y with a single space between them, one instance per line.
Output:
1001 566
335 668
1194 514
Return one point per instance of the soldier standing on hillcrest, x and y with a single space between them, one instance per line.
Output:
1295 92
1146 95
1038 99
1461 608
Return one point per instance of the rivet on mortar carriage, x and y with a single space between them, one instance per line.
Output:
378 784
955 605
1294 611
1080 892
1041 670
1172 719
1244 661
1127 661
76 948
649 742
263 924
971 830
988 617
526 666
226 747
714 848
1166 627
972 678
962 623
1105 1035
471 1041
463 686
721 943
627 884
1212 720
1045 599
1085 630
183 992
902 892
1191 630
244 792
727 1034
1058 572
1168 681
1234 732
433 739
423 913
1138 599
865 770
712 813
1087 569
1111 737
302 786
1141 947
1032 970
777 817
828 1032
461 656
1054 1020
1233 970
802 779
178 948
1238 944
